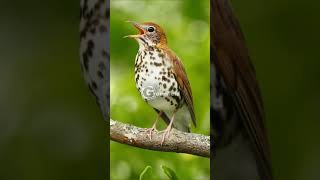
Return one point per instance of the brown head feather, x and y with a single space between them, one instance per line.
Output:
159 32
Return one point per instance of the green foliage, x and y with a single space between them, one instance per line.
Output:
144 171
169 172
166 170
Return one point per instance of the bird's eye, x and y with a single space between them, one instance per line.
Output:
150 29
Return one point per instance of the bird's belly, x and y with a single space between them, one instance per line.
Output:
157 85
162 104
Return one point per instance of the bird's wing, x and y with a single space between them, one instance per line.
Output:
231 59
183 82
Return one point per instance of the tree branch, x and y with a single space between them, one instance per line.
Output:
180 142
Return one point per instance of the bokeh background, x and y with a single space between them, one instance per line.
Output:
187 27
51 128
283 40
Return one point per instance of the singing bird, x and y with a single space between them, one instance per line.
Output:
162 80
237 113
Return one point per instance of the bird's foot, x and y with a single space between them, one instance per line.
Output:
165 134
150 131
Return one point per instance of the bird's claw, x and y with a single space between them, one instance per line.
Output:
165 135
150 130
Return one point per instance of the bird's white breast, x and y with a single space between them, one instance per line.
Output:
155 80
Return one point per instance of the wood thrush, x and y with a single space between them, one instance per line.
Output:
237 113
162 80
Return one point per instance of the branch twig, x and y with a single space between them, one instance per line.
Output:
178 141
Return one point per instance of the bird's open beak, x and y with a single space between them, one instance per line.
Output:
139 27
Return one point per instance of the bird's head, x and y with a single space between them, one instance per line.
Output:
150 34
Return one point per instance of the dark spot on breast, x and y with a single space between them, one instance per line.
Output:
170 88
157 64
164 86
176 98
164 78
90 44
85 61
105 53
93 30
94 85
161 55
100 75
102 66
151 48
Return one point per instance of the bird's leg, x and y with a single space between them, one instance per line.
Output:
153 128
168 129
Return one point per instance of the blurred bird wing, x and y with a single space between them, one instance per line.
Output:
233 63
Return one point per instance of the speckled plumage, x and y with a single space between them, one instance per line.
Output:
94 49
154 72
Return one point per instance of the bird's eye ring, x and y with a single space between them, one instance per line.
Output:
150 29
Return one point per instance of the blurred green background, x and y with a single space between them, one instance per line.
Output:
50 125
186 25
51 128
283 40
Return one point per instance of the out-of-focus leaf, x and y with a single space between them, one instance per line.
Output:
169 172
144 171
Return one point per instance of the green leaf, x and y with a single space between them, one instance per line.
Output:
169 172
144 171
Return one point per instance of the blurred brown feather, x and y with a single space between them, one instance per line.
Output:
231 59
